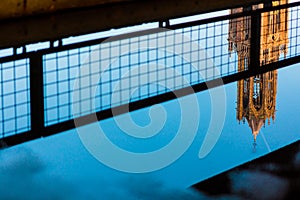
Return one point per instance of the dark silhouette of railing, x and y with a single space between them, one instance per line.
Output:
40 103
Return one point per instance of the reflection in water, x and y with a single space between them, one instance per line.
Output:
256 96
256 100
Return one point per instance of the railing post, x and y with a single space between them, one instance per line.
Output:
163 24
36 95
255 41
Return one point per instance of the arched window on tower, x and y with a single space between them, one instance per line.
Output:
270 90
265 56
246 93
275 20
257 91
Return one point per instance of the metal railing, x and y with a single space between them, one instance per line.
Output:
111 76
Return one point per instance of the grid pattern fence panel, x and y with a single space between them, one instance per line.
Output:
14 98
293 48
119 71
84 78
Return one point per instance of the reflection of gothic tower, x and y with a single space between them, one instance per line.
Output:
256 97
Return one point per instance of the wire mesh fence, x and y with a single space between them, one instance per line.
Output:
100 75
293 47
14 97
126 70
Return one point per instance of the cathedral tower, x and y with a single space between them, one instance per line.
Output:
256 96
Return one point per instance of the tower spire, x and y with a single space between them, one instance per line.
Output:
256 96
255 126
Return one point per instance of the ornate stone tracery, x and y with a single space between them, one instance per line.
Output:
256 96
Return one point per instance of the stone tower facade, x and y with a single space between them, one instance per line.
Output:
256 96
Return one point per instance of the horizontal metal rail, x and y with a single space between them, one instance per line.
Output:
39 73
147 32
84 17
